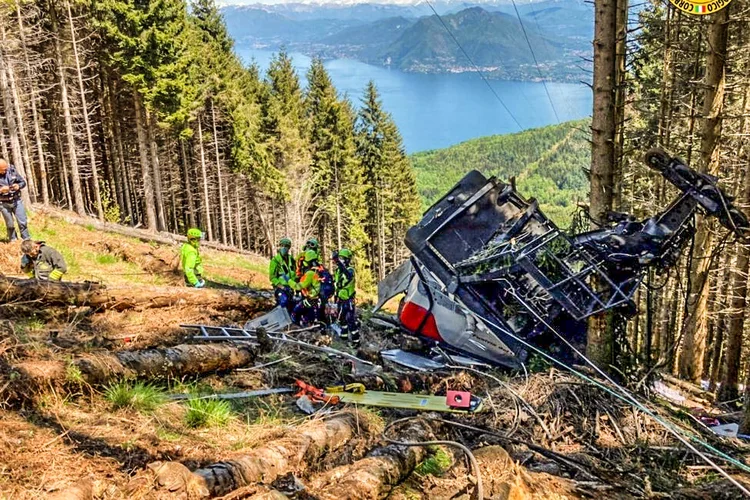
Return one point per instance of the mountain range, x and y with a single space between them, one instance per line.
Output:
412 38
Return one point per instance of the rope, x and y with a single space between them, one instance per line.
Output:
481 74
536 63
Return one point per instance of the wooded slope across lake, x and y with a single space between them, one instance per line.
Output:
548 163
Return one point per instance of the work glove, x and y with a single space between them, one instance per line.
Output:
200 284
56 275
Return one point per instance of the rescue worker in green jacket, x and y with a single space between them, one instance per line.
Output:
311 244
345 282
190 258
307 311
281 272
41 261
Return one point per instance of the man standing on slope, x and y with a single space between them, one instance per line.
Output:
281 272
11 205
306 311
190 257
344 279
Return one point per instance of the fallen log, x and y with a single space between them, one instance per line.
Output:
120 298
131 232
303 446
376 475
170 362
688 387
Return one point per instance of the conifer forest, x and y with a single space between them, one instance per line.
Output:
141 113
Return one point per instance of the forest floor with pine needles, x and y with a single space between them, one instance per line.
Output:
545 435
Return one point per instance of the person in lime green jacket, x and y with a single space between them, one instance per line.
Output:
281 272
306 311
190 258
345 282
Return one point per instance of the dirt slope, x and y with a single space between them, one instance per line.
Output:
552 437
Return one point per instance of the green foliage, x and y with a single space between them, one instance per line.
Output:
106 258
207 413
391 195
548 163
139 396
112 212
73 374
436 464
538 364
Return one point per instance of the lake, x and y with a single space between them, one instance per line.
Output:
435 111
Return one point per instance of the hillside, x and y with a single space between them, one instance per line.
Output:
412 38
548 164
492 39
376 34
122 402
116 259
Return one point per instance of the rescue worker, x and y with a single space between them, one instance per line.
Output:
281 271
190 258
42 262
306 311
11 204
345 281
311 244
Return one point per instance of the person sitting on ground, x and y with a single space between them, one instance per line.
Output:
281 272
311 244
190 258
42 262
11 204
306 311
345 282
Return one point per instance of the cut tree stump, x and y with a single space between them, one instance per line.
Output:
376 475
170 362
120 298
302 447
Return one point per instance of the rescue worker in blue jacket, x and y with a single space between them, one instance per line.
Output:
281 272
345 282
11 204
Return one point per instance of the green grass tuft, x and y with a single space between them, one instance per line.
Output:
73 374
436 464
207 413
139 396
106 258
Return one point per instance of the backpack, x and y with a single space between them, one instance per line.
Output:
327 287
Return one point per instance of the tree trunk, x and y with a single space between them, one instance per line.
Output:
168 363
238 213
376 475
120 298
84 109
13 131
222 219
188 185
600 348
143 149
729 384
156 170
694 340
302 447
204 174
23 166
75 177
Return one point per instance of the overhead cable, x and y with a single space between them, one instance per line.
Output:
481 74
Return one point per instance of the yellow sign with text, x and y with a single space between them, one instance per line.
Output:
700 7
